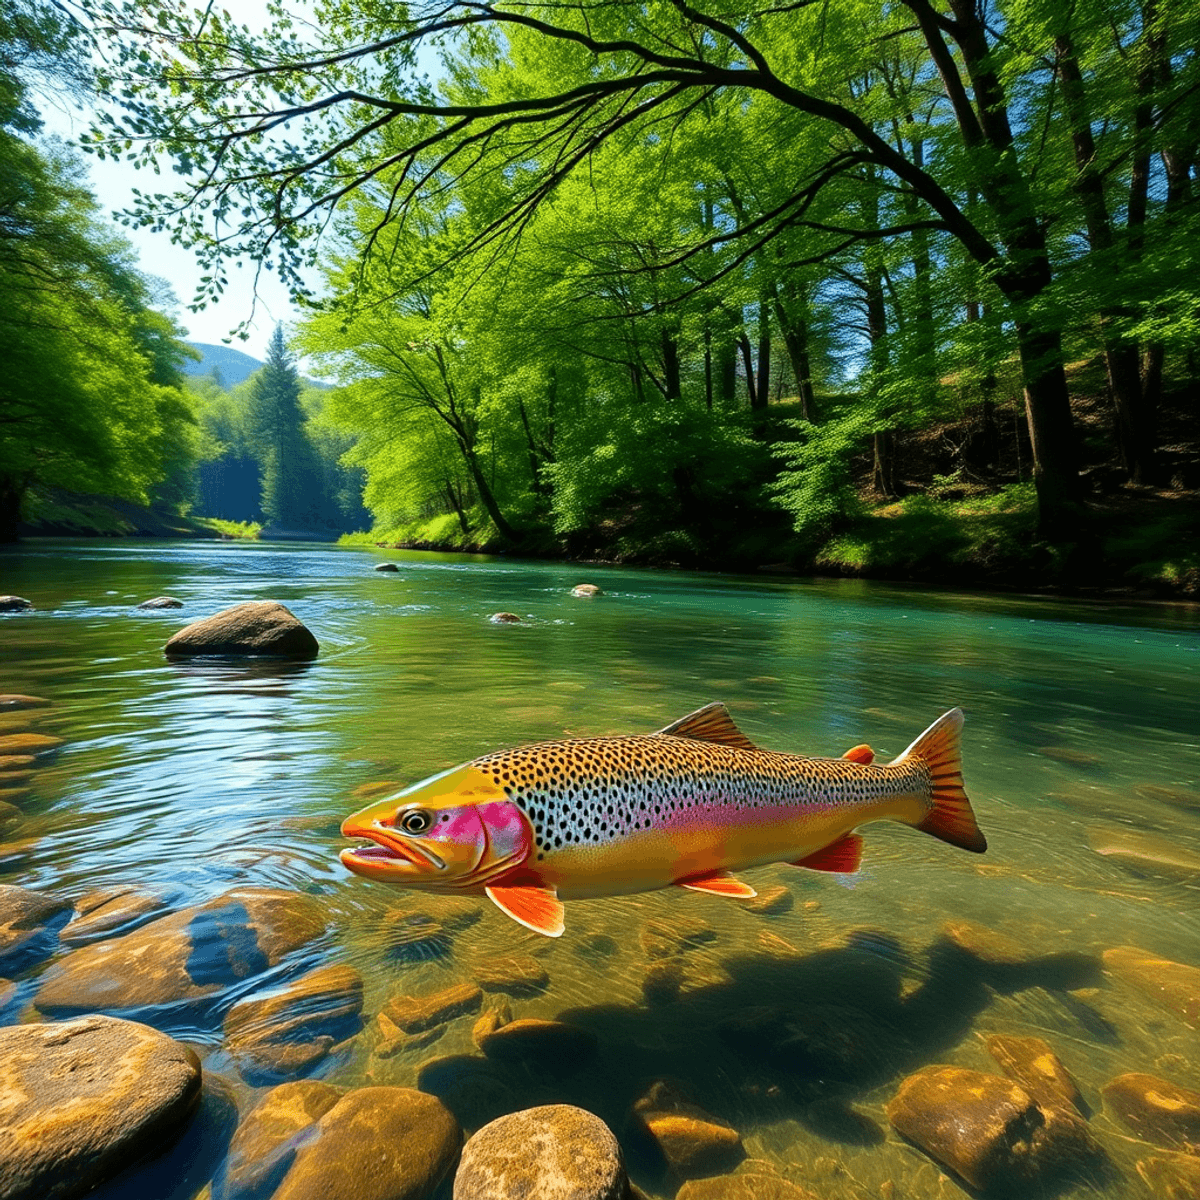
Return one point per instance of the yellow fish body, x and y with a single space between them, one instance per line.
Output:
686 806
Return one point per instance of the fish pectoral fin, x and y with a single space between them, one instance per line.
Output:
537 908
719 883
860 754
843 857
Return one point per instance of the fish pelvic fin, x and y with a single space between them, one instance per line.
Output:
952 818
719 883
537 908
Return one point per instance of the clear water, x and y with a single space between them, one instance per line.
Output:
189 779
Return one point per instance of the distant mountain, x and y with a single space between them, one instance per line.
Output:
233 365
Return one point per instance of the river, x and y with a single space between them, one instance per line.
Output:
1081 753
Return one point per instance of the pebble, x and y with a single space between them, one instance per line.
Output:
415 1014
187 956
24 919
1175 986
551 1046
108 911
274 1037
263 1148
258 628
988 1129
1156 1110
83 1098
556 1152
161 602
504 618
662 939
28 743
12 701
770 901
1035 1066
691 1141
523 976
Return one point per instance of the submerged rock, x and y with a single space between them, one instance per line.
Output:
523 976
274 1037
10 817
83 1098
415 1014
14 604
28 743
1068 754
1176 797
557 1152
586 590
24 919
1172 1176
692 1142
264 1146
105 912
662 939
771 900
747 1185
386 566
989 946
1156 1110
663 981
491 1020
375 1143
473 1089
13 701
1145 853
1175 986
186 956
987 1129
258 628
11 762
1036 1067
504 618
161 602
550 1046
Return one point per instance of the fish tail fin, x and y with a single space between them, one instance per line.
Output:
952 819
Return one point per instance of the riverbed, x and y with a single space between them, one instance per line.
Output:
1081 757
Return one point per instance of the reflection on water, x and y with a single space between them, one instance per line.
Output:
1082 757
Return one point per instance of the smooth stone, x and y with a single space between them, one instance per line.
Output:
1156 1110
1066 754
1172 1176
491 1020
277 1036
1145 853
551 1046
101 913
15 604
586 590
12 701
24 915
415 1014
691 1141
375 1143
556 1152
81 1099
662 939
264 1147
475 1090
161 602
1175 986
10 817
746 1185
1036 1067
987 1129
1176 797
504 618
187 956
523 976
387 566
663 981
28 743
256 628
772 900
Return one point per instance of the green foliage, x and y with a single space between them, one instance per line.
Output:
240 530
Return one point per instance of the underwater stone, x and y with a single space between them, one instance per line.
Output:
504 618
662 939
663 981
1175 986
1067 754
771 900
10 762
523 976
1036 1067
186 956
1177 797
988 1129
386 566
415 1014
13 701
745 1186
15 604
491 1020
161 602
24 915
264 1146
586 590
1145 853
692 1141
10 817
1172 1176
557 1152
987 945
83 1098
375 1143
551 1046
28 743
258 628
1156 1110
107 911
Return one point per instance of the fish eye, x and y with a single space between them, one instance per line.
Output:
416 820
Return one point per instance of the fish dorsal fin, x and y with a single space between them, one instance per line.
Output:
537 908
712 723
863 755
719 883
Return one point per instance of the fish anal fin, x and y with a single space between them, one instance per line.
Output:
537 908
712 723
842 857
719 883
860 754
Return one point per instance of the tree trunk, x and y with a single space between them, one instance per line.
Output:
486 496
727 371
748 364
762 391
795 338
708 368
457 505
12 494
670 353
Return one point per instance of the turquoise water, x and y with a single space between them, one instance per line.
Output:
1083 727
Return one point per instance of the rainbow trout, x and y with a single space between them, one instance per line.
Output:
686 806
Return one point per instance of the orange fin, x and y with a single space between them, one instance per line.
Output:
712 723
860 754
952 818
720 883
537 908
843 857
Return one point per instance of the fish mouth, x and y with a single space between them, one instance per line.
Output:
387 854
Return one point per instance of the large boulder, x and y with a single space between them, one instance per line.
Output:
1035 1066
81 1099
27 921
557 1152
258 628
185 957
